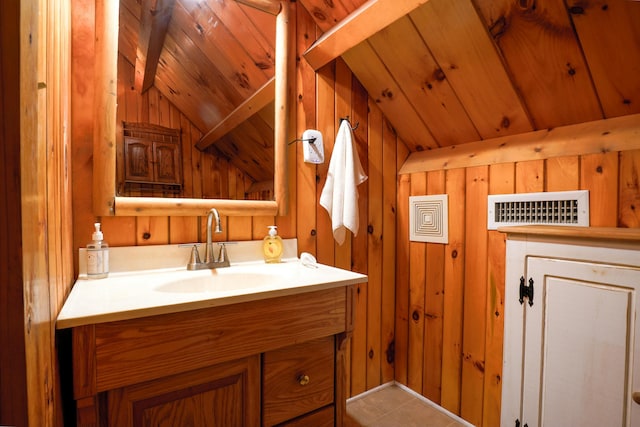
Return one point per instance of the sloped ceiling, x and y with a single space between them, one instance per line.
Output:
457 71
449 72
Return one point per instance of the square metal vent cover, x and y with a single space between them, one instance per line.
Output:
551 208
429 219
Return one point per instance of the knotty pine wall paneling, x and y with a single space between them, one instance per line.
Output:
415 347
322 99
35 209
304 208
475 293
629 190
454 275
473 265
394 152
434 298
372 231
502 178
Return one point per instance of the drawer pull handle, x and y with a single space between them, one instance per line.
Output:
303 379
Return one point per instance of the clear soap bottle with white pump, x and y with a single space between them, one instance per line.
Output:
272 246
97 255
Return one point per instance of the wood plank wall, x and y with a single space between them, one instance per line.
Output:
35 206
322 100
450 298
13 388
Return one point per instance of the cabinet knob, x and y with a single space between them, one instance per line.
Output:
636 397
303 379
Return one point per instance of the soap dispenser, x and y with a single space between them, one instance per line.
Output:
272 246
97 255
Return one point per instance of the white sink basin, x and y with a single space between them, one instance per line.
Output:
227 279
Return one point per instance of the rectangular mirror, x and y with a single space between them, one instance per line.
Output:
105 197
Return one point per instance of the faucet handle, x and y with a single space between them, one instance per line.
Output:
222 255
195 255
194 258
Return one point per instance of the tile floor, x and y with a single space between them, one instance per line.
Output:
392 406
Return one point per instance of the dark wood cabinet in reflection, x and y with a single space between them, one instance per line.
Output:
152 158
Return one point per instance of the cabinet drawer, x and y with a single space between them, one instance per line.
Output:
324 417
297 379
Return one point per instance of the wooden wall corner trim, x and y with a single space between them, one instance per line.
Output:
600 136
104 143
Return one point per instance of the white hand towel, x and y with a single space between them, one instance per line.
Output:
340 194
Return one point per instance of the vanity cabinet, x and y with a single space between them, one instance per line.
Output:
572 332
275 361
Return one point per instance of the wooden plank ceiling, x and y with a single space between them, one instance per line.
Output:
447 73
453 72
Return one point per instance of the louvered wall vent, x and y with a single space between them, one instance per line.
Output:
552 208
429 219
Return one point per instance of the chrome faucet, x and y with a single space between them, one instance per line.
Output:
209 262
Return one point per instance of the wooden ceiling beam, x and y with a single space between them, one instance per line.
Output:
599 136
248 108
270 6
364 22
155 16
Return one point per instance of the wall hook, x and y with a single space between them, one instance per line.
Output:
352 127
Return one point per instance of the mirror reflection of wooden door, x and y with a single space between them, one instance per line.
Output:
138 164
152 159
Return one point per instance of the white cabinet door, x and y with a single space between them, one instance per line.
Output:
580 345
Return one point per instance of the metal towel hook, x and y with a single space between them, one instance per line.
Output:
347 119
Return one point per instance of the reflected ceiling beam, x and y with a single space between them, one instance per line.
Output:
361 24
270 6
155 16
259 186
248 108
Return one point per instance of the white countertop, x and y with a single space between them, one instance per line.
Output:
131 294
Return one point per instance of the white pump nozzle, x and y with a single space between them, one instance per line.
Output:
97 235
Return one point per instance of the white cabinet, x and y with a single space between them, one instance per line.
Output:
572 334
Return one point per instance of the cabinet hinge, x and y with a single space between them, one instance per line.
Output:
526 291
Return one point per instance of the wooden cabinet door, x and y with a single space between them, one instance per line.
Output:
223 395
167 161
138 160
581 345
